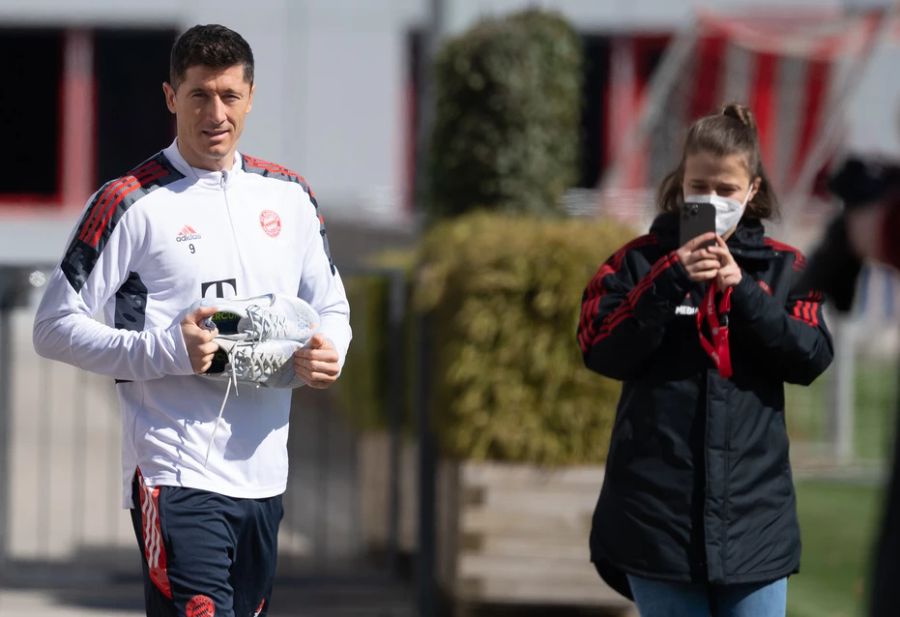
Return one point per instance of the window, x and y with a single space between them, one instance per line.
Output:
29 114
79 107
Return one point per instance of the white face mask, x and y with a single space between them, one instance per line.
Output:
728 211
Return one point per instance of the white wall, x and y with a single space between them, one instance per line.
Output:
331 76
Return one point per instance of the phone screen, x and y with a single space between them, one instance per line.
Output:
696 219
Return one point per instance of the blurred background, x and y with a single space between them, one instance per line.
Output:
436 134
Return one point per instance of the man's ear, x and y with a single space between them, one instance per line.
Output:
169 93
250 103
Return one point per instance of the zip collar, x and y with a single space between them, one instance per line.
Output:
204 177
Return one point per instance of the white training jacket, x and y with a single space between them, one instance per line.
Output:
147 246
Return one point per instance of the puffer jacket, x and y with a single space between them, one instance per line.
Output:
698 483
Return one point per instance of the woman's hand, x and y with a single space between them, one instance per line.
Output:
698 259
729 273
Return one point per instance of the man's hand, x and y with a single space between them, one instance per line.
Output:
317 362
199 340
701 264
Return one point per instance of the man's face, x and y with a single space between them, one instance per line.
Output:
209 107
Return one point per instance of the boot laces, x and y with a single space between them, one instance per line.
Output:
246 365
264 324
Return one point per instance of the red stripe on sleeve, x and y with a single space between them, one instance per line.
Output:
110 210
626 308
100 206
805 311
151 168
594 291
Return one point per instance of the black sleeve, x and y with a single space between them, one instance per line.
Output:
793 336
624 315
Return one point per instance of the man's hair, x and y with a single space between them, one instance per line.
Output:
209 45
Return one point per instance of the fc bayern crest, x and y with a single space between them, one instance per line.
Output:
270 222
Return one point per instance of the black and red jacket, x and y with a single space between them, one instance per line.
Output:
698 482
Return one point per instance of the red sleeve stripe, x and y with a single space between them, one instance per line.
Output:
588 334
112 189
807 312
612 265
591 335
594 291
101 203
274 168
626 308
106 207
144 168
799 259
592 295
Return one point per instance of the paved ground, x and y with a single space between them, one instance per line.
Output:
293 598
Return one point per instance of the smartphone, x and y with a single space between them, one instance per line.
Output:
696 219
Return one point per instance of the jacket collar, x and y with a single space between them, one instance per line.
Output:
213 179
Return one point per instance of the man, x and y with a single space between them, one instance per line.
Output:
872 234
867 230
197 221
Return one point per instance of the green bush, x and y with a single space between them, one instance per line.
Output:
361 390
503 296
507 113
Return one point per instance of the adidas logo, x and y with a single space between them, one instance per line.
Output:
187 234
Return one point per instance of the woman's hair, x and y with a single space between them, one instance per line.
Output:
731 131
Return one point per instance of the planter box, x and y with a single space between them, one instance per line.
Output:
374 490
518 534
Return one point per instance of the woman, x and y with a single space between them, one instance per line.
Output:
697 513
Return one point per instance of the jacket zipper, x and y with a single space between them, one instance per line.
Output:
234 236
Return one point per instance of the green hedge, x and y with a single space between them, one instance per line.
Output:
507 113
503 296
362 388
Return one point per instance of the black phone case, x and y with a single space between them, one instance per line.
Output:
696 219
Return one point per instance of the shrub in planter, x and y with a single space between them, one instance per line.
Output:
507 113
503 294
361 390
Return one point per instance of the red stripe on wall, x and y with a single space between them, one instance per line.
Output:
762 103
815 90
704 98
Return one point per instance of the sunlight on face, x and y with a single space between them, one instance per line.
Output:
706 173
210 106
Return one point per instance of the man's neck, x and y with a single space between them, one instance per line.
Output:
223 164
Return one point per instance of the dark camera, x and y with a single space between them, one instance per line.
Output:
833 267
863 180
696 219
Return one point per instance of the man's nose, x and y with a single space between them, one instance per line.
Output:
217 110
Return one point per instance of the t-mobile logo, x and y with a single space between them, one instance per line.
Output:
216 289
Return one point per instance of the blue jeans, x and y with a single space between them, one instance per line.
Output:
667 599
